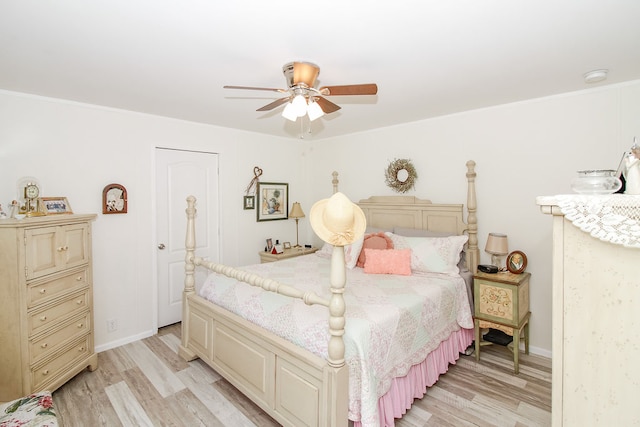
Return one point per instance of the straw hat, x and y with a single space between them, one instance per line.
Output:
337 220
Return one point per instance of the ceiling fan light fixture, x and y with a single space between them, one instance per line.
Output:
299 104
314 111
290 113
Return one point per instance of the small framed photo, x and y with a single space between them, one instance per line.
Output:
273 201
286 245
269 245
55 205
249 202
114 199
516 262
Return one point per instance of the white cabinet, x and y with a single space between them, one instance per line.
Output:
596 326
46 307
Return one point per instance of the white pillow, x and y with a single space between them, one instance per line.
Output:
351 252
432 254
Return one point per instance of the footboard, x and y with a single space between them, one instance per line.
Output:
294 386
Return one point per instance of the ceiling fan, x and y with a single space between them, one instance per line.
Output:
302 98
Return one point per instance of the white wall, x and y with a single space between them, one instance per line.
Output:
74 150
522 150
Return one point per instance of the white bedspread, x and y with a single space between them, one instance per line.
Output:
393 322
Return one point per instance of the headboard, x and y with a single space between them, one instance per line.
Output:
387 212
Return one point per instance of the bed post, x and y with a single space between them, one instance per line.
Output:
473 253
189 278
337 373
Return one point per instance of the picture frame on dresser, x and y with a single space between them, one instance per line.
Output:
272 201
516 262
114 199
55 205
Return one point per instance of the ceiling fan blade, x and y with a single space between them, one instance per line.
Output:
363 89
255 88
274 104
326 105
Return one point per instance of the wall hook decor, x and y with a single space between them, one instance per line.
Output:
400 175
114 199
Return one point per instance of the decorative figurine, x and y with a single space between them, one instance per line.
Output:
631 170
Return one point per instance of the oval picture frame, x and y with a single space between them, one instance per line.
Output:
516 262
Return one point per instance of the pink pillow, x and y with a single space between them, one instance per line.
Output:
388 261
374 241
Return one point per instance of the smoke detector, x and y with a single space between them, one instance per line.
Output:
595 76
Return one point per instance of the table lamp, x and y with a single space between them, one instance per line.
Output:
497 247
296 213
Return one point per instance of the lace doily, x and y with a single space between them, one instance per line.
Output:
613 218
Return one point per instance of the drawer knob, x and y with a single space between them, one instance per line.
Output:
80 325
79 302
45 372
43 291
80 349
44 345
79 278
63 248
43 318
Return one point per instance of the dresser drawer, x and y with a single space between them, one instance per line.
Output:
48 372
47 344
44 291
41 319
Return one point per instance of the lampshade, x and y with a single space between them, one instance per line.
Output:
299 104
296 211
497 244
314 111
290 113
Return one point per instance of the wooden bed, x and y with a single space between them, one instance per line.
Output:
294 386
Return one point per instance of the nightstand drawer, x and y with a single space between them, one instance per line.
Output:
502 298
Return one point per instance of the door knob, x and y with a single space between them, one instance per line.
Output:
161 246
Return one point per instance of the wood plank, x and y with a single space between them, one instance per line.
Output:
146 382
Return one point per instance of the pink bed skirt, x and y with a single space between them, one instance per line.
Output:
414 385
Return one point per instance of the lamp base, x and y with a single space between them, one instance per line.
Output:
496 260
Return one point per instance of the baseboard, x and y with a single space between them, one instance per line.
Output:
123 341
539 351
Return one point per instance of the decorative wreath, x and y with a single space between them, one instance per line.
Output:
391 175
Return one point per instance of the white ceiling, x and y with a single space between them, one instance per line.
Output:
429 58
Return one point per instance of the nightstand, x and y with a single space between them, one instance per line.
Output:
501 301
288 253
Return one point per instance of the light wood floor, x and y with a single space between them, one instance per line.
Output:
145 383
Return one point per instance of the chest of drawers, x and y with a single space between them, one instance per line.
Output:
46 303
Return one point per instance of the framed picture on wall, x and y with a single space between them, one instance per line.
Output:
273 201
114 199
